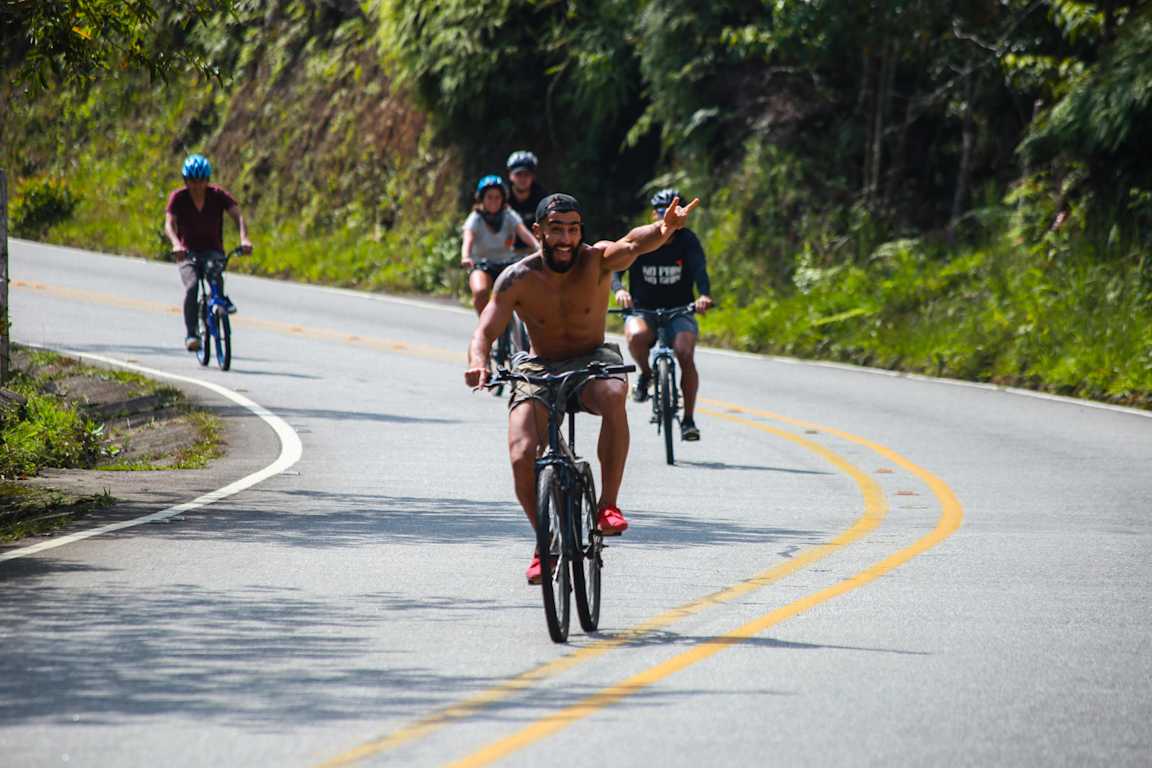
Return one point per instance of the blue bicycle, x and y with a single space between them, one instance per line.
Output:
662 360
214 329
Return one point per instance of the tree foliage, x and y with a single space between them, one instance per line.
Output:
49 41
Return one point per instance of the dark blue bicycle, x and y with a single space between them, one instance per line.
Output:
662 360
213 328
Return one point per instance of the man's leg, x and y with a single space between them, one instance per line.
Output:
527 432
640 338
191 289
606 397
684 345
480 283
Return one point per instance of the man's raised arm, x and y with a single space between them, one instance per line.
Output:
619 255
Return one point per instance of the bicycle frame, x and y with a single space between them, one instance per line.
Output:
210 274
212 309
560 533
662 364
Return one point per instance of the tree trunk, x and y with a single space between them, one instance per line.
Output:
964 174
4 344
865 99
883 91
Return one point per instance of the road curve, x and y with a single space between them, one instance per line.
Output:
850 568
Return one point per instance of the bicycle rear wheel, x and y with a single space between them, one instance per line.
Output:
224 343
520 340
586 572
667 407
555 583
204 332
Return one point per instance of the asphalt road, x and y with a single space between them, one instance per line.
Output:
850 568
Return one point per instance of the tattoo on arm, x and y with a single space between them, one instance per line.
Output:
509 277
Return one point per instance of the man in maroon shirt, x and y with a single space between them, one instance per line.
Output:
194 223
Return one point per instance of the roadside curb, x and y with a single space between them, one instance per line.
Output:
149 496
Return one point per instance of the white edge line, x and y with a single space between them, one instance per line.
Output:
425 304
290 452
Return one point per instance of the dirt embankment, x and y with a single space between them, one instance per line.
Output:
130 424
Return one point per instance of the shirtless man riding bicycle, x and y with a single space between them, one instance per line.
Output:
562 294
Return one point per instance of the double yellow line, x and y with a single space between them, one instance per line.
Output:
875 509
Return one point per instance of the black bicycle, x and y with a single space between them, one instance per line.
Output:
662 360
513 339
567 541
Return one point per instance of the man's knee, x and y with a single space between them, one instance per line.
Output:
635 331
606 397
684 346
523 434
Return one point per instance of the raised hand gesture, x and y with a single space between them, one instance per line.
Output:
676 216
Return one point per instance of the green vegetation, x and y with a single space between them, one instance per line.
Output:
194 456
28 510
53 428
955 189
49 433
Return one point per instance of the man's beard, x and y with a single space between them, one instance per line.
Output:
550 258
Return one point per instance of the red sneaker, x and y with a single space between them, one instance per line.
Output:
611 521
533 572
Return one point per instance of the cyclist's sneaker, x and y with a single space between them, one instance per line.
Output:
689 431
640 391
192 344
533 572
229 306
611 521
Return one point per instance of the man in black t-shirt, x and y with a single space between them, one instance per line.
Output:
663 279
526 193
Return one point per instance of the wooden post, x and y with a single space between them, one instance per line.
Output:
4 344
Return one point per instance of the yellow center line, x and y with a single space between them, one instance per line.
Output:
875 509
951 515
243 321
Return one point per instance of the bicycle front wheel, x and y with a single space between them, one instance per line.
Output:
586 567
550 544
664 376
224 343
204 331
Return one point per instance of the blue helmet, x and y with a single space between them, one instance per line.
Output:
491 181
662 199
197 167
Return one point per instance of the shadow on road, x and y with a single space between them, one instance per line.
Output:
321 519
255 655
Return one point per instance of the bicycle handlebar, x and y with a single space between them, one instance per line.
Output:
659 314
593 371
486 263
237 251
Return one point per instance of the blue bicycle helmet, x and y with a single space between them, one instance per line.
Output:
490 181
522 158
197 167
662 199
